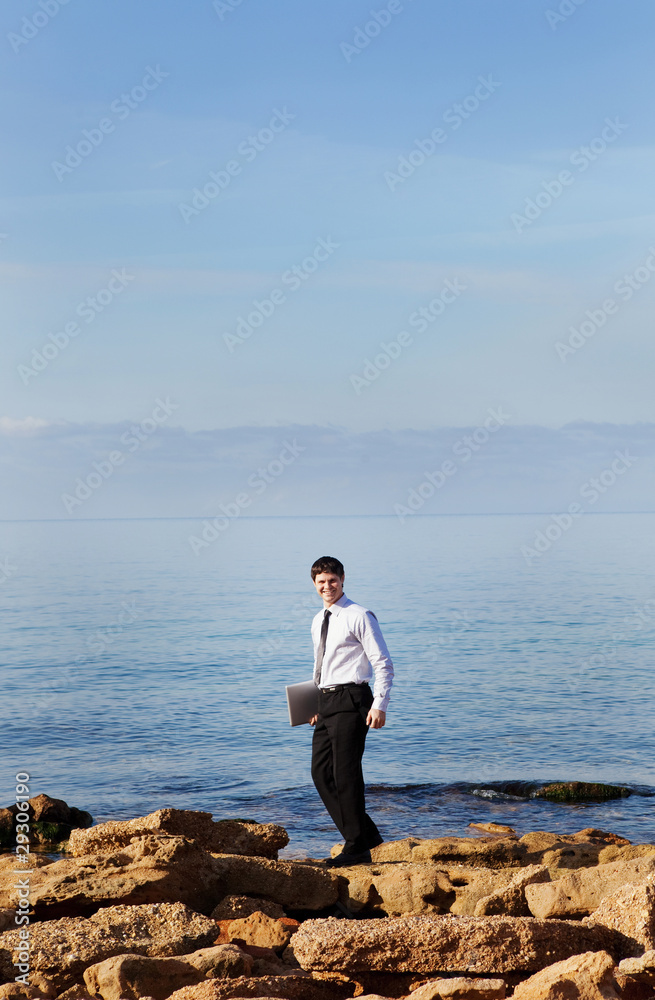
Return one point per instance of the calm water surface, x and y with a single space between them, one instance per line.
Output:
137 674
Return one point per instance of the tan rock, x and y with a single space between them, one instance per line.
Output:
584 977
497 829
472 851
259 930
642 968
77 992
442 943
293 884
580 892
590 833
511 898
62 949
396 889
226 836
20 991
222 961
129 977
302 987
613 852
630 912
460 988
233 907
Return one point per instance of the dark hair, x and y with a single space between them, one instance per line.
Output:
327 564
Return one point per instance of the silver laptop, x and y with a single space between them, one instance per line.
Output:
302 700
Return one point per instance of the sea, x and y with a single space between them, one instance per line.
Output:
143 671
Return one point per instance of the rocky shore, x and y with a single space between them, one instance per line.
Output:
177 905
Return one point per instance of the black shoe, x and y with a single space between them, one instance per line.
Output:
346 860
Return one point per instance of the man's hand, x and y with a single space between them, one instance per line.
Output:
313 720
376 719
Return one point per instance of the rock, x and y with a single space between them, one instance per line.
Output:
642 969
294 885
630 912
150 870
511 898
460 988
77 992
51 820
19 991
129 977
302 987
233 907
581 791
396 889
62 949
629 853
583 977
497 829
386 984
590 833
259 930
472 851
222 961
474 884
442 943
580 892
228 836
7 917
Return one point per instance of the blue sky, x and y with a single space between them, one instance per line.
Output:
556 93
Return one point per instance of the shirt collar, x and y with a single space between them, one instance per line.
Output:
343 602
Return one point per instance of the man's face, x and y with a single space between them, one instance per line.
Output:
329 586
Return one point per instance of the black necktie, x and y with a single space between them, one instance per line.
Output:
320 652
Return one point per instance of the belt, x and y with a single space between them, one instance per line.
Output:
344 687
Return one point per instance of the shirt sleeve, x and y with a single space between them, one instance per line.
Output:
377 654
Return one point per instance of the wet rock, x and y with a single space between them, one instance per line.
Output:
62 949
630 912
233 907
51 821
133 976
581 791
589 976
511 898
226 836
580 892
396 889
460 988
497 829
442 943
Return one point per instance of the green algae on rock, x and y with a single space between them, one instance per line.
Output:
581 791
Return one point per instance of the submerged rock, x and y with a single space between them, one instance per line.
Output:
51 821
581 791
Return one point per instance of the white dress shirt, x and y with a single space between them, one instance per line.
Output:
354 648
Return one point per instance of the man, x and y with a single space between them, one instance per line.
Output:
348 647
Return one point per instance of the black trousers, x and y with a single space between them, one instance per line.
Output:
337 750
